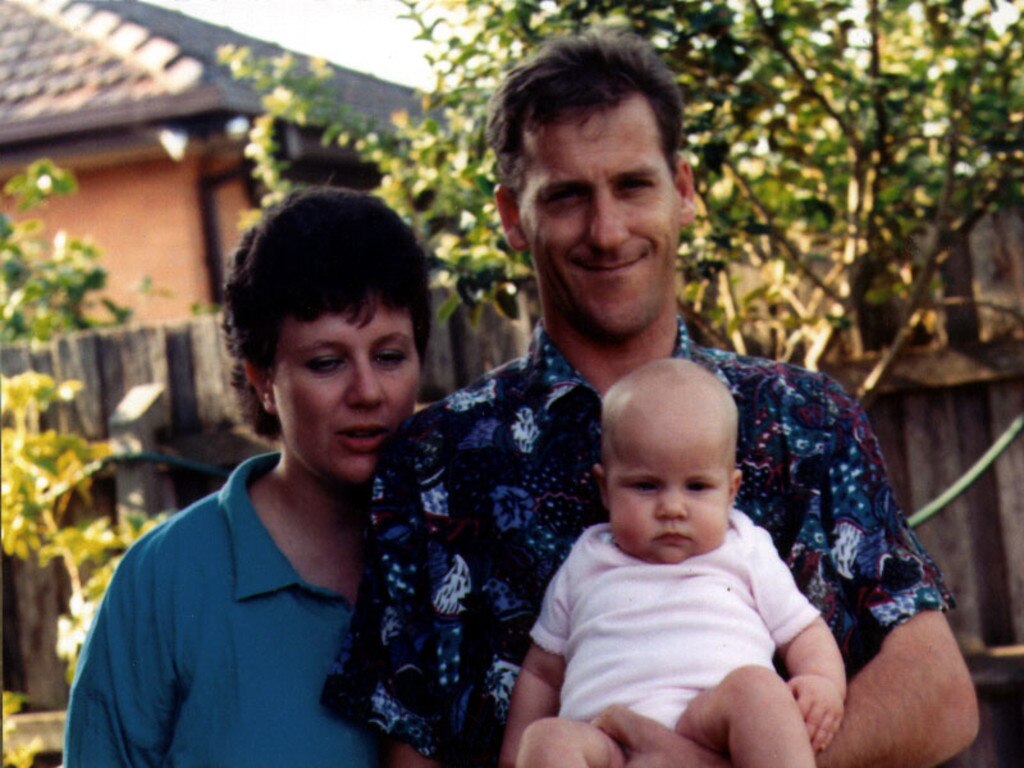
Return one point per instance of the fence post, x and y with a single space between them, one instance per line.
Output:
133 428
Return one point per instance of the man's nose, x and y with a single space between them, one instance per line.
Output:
608 228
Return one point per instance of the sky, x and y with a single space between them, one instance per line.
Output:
364 35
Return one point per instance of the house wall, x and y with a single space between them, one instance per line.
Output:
145 217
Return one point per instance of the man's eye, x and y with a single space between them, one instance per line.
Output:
636 183
563 195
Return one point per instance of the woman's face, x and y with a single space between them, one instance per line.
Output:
340 386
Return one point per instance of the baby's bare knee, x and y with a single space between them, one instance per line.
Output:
756 687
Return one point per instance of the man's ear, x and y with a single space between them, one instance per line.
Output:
508 210
602 483
687 192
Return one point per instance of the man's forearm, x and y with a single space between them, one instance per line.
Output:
912 705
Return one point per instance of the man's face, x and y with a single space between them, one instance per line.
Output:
600 210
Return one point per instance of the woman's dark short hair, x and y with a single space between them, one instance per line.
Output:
320 250
595 70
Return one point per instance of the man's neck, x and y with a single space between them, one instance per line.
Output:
602 363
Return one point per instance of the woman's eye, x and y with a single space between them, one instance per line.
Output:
323 364
391 357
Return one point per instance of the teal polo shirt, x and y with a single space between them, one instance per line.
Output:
210 650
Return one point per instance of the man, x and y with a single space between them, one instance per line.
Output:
481 498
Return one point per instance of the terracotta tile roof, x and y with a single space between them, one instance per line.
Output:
82 65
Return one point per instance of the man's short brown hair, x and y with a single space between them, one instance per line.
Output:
580 74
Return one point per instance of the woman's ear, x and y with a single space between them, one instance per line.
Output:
260 381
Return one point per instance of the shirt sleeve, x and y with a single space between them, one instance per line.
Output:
551 631
784 608
123 699
855 553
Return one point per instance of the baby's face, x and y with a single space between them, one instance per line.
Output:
668 487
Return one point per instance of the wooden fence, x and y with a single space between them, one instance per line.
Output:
940 412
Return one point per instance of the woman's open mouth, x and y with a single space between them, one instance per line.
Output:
363 439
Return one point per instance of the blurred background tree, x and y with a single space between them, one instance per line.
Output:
48 286
841 149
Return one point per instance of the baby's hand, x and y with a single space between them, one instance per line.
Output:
821 705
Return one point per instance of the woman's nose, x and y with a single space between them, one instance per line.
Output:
365 388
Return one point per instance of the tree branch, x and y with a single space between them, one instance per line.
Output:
775 38
791 254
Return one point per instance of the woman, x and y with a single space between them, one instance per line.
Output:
213 640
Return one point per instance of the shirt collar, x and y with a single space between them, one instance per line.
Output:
549 369
259 566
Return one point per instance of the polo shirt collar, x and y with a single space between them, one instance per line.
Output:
259 566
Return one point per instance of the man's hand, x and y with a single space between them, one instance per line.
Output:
649 744
821 706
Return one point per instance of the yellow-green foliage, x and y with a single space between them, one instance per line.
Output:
48 285
43 471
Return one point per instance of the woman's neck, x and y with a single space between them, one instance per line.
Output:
317 526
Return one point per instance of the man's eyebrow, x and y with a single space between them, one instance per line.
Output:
564 185
640 172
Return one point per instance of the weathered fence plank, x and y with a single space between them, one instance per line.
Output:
933 462
1006 402
41 595
215 399
77 356
181 379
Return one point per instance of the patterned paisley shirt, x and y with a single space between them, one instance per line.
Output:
484 493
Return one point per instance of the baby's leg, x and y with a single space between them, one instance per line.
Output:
557 742
752 716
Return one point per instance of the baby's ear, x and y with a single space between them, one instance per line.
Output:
602 483
734 484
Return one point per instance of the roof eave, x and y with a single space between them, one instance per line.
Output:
187 104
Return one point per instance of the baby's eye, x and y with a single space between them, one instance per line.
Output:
698 485
644 485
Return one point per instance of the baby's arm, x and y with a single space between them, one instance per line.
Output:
536 695
818 681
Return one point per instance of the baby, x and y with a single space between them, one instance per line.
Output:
676 608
